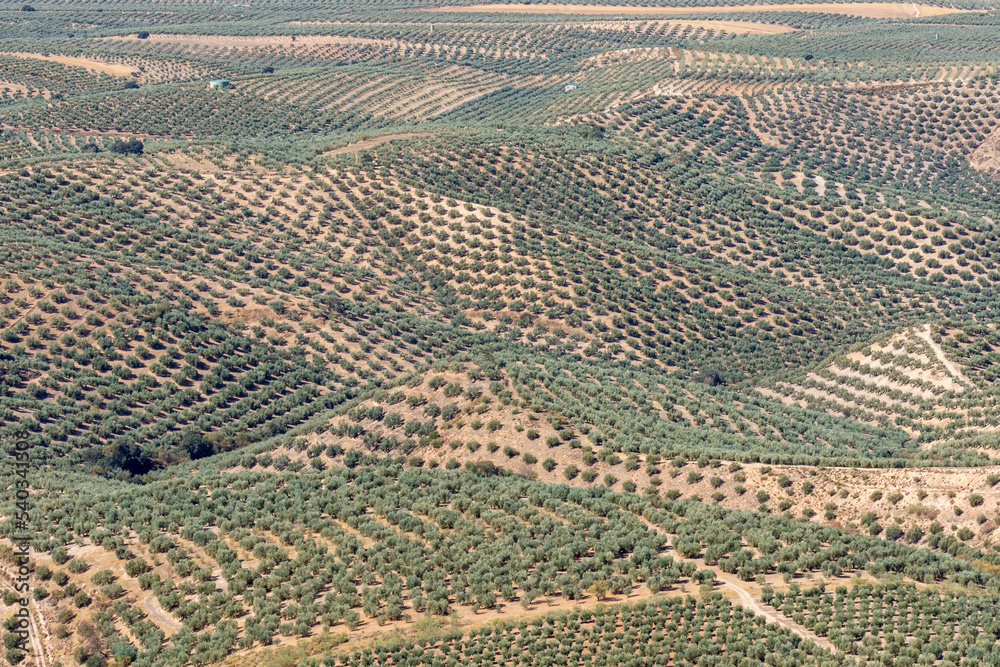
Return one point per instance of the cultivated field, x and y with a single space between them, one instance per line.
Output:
735 27
867 9
499 334
92 65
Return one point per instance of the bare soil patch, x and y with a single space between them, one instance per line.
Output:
460 102
87 63
987 156
735 27
10 88
376 141
868 9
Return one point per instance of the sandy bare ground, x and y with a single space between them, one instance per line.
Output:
936 375
880 381
10 88
369 143
868 9
986 157
78 551
87 63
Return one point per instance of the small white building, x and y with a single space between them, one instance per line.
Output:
218 84
571 86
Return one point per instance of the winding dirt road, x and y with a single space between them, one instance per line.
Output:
749 602
36 626
158 615
745 599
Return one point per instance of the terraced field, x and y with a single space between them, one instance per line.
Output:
391 93
908 380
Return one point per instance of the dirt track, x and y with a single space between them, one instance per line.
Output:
925 334
41 658
747 601
160 617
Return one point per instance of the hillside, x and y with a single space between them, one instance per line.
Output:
499 333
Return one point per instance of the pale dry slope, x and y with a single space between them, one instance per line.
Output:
6 86
376 141
87 63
